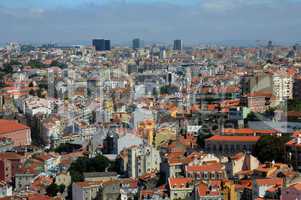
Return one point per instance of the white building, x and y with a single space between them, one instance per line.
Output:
143 159
283 87
52 129
86 190
5 189
33 105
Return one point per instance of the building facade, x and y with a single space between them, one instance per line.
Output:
20 134
283 87
178 45
230 145
143 159
101 44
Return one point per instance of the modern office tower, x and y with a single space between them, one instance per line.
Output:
162 53
108 45
101 44
178 45
137 43
270 44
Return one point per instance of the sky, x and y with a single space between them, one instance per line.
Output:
193 21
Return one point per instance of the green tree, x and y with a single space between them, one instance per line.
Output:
62 188
252 117
67 148
32 92
8 67
294 105
53 189
270 112
155 92
35 64
85 164
270 148
58 64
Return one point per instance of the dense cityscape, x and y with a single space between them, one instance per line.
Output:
150 122
154 106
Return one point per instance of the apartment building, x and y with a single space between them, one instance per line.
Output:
283 87
230 145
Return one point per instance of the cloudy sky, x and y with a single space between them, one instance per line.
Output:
194 21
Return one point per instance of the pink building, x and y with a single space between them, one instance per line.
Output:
292 192
9 163
19 133
259 101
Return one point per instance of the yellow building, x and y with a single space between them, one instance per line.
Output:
229 191
146 130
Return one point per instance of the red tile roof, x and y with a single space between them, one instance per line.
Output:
269 181
238 131
202 168
247 131
294 142
179 182
10 156
260 94
7 126
28 197
87 184
234 138
41 182
202 189
38 197
265 131
212 189
296 186
296 133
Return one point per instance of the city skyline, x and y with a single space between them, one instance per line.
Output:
150 99
194 21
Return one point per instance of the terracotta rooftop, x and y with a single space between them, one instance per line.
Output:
240 130
205 168
87 184
212 189
269 181
296 186
31 196
293 142
202 189
247 131
260 94
234 138
10 156
7 126
179 182
41 182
